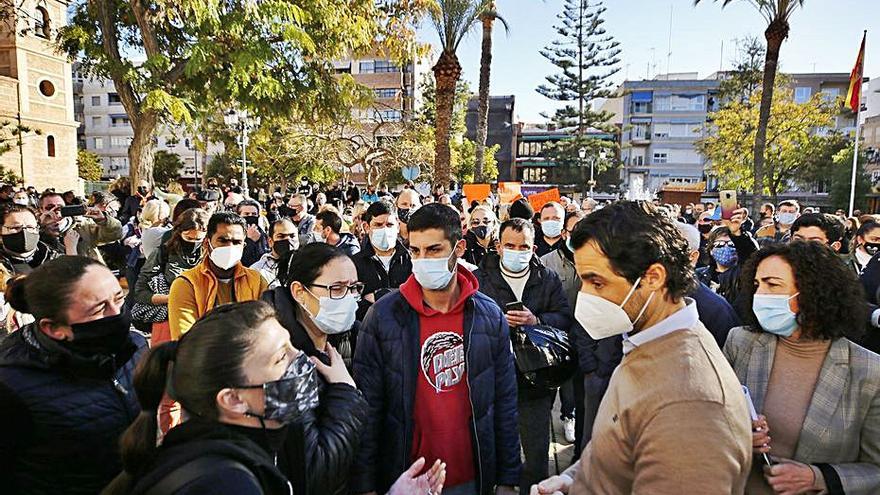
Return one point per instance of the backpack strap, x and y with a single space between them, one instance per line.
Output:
195 469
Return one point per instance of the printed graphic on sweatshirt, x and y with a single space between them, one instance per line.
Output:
443 360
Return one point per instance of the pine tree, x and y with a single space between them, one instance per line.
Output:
587 57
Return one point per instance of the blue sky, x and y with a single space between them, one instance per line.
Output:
825 35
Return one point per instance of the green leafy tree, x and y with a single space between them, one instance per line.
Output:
587 58
223 167
840 175
467 164
793 142
487 19
777 13
166 167
173 61
427 116
89 165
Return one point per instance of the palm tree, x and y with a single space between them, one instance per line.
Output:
488 18
777 13
452 19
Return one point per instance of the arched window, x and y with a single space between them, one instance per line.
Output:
42 23
50 145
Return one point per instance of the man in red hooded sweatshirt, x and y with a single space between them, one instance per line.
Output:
435 365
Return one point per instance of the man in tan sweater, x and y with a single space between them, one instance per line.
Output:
674 419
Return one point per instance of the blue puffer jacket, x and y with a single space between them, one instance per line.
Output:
386 371
61 416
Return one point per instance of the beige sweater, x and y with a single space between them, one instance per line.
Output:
674 420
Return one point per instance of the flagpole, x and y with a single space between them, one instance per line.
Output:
852 187
855 165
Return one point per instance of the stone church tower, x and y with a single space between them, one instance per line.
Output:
36 91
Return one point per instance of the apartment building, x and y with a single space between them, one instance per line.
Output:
662 121
105 130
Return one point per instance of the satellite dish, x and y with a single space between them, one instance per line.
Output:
411 172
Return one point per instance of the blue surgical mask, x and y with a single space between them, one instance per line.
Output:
786 218
551 228
774 314
725 256
514 260
433 273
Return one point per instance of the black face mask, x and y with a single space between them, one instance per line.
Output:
704 228
190 246
104 337
21 242
481 232
283 247
142 191
252 220
403 215
872 247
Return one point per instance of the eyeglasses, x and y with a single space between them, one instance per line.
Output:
18 228
723 244
339 291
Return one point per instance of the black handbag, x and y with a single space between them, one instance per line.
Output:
543 355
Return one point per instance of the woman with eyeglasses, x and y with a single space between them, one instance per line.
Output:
316 304
22 250
729 246
482 234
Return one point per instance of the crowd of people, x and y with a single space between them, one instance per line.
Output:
350 340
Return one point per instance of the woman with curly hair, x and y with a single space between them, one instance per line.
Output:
818 392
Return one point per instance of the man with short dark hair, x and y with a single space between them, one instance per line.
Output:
256 244
515 275
208 199
328 228
384 263
552 219
282 239
434 362
219 279
780 231
674 417
822 227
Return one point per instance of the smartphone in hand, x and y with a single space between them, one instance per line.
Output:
728 204
73 211
513 306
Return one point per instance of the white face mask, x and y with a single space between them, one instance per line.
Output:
384 239
433 273
20 201
515 261
335 316
225 257
318 236
602 318
551 228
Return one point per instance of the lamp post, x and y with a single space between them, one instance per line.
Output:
582 153
602 156
239 120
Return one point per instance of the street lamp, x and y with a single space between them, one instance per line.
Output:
239 120
602 156
582 153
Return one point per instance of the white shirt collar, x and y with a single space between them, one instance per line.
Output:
685 317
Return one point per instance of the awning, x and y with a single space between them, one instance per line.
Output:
642 96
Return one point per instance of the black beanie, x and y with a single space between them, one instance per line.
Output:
521 209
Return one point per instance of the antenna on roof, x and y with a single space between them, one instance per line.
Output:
669 52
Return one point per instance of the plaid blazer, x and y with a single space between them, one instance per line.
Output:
842 426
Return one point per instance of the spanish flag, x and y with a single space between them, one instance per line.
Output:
854 96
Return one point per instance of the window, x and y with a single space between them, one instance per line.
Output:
388 115
120 141
119 163
96 101
640 131
638 160
661 131
98 143
50 145
386 93
96 122
802 94
534 174
660 157
831 94
113 99
386 66
42 23
664 103
119 121
641 107
47 89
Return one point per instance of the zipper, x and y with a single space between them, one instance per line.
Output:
122 393
470 400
